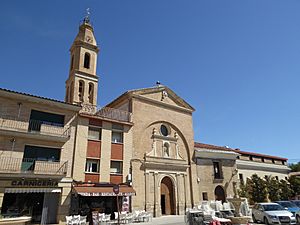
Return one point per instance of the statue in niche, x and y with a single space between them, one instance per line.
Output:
166 150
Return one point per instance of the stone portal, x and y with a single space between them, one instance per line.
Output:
167 201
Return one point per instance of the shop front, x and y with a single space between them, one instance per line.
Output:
101 198
35 198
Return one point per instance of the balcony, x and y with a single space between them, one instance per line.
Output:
33 128
105 112
32 167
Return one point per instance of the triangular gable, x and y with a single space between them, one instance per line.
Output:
159 93
162 94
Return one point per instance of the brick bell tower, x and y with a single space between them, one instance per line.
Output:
82 83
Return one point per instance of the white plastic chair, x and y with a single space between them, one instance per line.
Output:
69 220
106 218
83 220
76 219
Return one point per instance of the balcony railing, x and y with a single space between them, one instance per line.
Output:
33 126
105 112
32 166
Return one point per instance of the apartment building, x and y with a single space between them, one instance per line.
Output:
37 140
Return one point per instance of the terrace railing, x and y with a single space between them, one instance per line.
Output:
33 126
106 112
32 166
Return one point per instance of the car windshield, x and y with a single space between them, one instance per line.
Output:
287 204
272 207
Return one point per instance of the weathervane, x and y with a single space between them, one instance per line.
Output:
87 17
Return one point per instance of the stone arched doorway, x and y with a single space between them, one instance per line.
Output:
167 200
220 193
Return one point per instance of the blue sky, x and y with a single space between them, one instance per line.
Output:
236 62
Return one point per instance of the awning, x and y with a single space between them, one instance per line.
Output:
103 191
32 190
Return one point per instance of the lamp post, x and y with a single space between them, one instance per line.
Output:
116 189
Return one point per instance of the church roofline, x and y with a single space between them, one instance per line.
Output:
223 148
149 89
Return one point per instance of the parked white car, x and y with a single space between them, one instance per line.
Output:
272 213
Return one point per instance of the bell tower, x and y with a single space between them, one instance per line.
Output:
82 83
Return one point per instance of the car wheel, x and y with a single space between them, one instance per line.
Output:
253 218
298 219
266 221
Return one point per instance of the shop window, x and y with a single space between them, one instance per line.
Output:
94 133
92 166
204 196
217 170
116 167
87 58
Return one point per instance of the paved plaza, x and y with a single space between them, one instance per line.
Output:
171 220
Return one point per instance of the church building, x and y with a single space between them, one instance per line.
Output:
75 158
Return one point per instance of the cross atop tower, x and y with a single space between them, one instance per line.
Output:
87 17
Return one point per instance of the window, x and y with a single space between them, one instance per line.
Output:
276 177
81 90
92 166
37 118
204 196
116 167
117 137
273 161
87 58
251 158
117 133
164 130
94 133
217 171
91 93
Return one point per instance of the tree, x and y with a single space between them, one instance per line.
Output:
295 167
273 188
243 191
295 185
257 189
286 191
